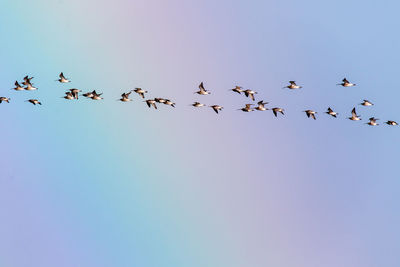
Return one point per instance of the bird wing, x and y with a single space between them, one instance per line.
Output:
345 80
274 111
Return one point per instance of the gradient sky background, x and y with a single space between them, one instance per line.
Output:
104 183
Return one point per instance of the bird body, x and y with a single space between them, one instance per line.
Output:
250 93
372 121
216 108
292 85
140 92
354 116
69 96
63 79
391 123
151 102
169 103
125 97
197 104
276 110
34 101
202 90
30 87
237 89
247 108
18 87
310 113
366 103
260 106
346 83
331 112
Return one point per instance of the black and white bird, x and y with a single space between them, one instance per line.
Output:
75 92
125 97
160 100
247 108
346 83
89 94
151 102
96 96
260 106
63 79
354 116
292 85
202 90
366 103
331 112
391 123
169 103
5 99
197 104
18 87
69 96
34 101
372 121
250 93
30 87
310 113
216 108
276 110
27 80
140 92
237 89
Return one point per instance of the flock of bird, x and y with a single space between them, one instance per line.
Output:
74 94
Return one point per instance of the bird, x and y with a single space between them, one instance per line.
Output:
125 97
391 123
75 92
151 102
372 121
27 80
160 100
276 110
140 92
197 104
96 96
260 106
30 87
69 96
366 103
354 116
250 93
168 102
18 87
237 89
5 99
247 108
89 94
34 101
310 113
346 83
293 85
216 108
63 79
202 90
331 112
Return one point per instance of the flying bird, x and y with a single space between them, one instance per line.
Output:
197 104
169 103
63 79
202 90
250 93
5 99
391 123
237 89
346 83
34 101
89 94
354 116
260 106
366 103
18 87
125 97
96 96
216 108
75 92
151 102
69 96
331 112
140 92
310 113
247 108
276 110
160 100
293 85
372 121
27 80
